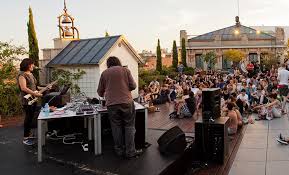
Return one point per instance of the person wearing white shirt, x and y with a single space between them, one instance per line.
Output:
243 101
283 76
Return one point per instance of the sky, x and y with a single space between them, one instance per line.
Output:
141 22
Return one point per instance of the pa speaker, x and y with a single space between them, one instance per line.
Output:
172 141
211 104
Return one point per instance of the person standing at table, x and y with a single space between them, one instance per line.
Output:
116 84
27 85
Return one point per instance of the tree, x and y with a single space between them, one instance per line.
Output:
106 34
33 44
184 53
65 77
175 55
9 52
159 57
210 58
234 55
269 59
9 91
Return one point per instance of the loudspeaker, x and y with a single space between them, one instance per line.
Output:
211 103
172 141
211 139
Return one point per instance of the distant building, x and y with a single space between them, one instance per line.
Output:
254 43
150 60
272 30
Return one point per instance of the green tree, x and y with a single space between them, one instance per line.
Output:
184 53
234 55
65 77
33 44
175 55
269 59
9 52
106 34
159 57
210 58
9 91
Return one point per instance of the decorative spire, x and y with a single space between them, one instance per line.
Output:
237 19
66 25
65 9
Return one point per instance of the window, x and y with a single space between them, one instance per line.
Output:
199 61
226 64
253 57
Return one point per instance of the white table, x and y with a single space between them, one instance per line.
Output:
42 126
96 116
97 125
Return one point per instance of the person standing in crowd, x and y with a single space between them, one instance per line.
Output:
250 69
181 68
27 85
116 84
283 76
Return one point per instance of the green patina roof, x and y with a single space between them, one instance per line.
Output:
228 34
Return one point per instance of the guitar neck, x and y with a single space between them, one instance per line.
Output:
45 88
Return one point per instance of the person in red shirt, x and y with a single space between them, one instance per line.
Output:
250 69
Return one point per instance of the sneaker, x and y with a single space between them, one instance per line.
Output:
281 137
269 118
28 142
282 141
135 155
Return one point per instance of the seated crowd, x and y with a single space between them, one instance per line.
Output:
241 94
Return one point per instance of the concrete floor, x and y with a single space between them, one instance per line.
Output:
260 153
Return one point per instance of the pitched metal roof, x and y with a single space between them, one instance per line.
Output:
84 51
228 34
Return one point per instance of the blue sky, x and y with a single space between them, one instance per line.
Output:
142 22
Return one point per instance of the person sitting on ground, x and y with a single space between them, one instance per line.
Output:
233 119
163 96
272 109
185 107
258 97
154 90
243 101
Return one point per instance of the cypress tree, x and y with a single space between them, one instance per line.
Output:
175 55
33 44
159 57
106 34
184 53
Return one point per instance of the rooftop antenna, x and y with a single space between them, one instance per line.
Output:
238 7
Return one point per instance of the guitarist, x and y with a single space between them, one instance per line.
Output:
27 84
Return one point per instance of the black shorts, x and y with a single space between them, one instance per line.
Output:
283 90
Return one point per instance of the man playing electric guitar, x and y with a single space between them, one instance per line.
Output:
27 84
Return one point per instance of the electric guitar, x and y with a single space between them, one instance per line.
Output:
32 99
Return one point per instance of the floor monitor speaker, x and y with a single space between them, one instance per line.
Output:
172 141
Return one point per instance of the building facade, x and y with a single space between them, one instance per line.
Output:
255 44
150 59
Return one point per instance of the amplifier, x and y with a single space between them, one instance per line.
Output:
212 141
